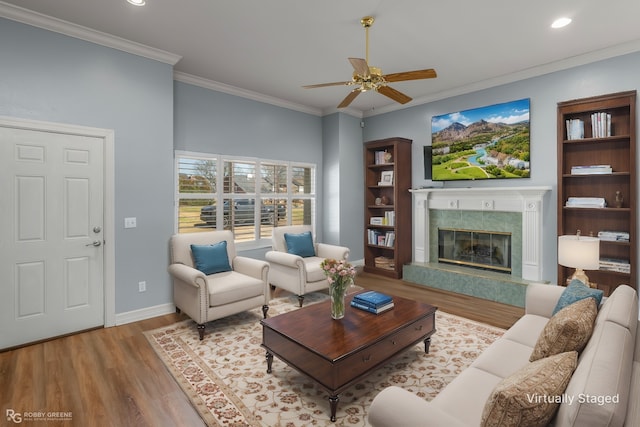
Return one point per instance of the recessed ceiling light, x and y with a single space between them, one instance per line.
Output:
137 2
561 22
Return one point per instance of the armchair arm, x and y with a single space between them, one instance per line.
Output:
188 275
251 267
542 298
325 250
284 258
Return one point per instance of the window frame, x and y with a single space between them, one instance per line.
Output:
219 195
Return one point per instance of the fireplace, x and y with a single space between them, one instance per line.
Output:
486 250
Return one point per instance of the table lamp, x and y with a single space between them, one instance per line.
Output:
581 253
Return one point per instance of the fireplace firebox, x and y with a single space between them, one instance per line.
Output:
487 250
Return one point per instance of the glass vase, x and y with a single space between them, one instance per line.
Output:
337 301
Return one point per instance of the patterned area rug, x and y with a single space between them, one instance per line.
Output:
225 375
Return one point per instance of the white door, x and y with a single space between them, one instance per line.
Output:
51 234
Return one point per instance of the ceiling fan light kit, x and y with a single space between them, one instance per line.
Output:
366 77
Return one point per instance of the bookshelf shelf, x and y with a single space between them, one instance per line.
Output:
617 151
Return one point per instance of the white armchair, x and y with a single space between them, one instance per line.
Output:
234 284
299 274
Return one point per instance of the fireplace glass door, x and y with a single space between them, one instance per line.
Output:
487 250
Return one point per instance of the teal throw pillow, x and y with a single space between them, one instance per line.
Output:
575 292
211 259
300 244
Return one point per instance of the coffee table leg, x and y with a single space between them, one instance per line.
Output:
427 344
269 362
333 404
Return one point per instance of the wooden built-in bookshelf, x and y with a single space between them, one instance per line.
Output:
615 146
387 216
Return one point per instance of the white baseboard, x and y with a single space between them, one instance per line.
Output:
144 313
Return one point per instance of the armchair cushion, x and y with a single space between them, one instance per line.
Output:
300 244
211 259
230 286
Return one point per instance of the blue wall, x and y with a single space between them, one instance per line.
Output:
50 77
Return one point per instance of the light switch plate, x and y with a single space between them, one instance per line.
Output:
130 222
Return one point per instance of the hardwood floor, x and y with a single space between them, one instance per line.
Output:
112 376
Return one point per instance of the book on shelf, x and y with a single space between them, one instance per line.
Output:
586 202
389 218
614 236
575 129
381 238
373 298
600 125
614 264
591 170
374 310
382 157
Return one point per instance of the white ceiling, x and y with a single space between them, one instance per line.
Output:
272 48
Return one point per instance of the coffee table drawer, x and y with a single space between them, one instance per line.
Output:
367 358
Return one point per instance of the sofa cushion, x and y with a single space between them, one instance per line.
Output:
599 388
621 307
211 259
531 395
568 330
575 292
300 244
503 357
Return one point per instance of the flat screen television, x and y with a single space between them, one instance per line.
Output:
490 142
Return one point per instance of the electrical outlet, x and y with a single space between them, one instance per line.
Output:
142 286
130 222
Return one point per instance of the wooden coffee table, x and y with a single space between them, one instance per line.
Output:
338 353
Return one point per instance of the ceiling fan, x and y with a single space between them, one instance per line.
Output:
366 77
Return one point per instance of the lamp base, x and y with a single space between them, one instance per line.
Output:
580 275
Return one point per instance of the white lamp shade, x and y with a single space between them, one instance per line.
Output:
579 252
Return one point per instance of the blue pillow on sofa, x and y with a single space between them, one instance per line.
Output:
211 259
575 292
300 244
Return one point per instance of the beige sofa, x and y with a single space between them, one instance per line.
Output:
608 369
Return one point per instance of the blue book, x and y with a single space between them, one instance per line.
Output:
373 298
370 309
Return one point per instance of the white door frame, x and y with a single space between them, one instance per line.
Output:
107 135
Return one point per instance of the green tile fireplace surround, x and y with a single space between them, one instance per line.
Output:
516 210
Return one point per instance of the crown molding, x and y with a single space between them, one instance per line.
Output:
49 23
243 93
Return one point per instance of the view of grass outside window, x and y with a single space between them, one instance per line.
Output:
247 196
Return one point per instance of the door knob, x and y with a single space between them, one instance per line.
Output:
97 229
94 243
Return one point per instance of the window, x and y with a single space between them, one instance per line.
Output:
249 196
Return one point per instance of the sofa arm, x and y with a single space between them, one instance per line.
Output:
188 275
542 298
284 258
324 250
251 267
395 406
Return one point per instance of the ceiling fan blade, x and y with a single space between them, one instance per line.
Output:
327 84
361 66
349 99
394 94
429 73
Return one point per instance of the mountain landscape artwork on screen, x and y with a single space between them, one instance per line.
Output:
483 143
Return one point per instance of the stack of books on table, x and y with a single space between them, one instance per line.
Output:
586 202
591 170
372 301
614 236
613 264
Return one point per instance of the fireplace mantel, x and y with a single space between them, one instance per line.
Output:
525 200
